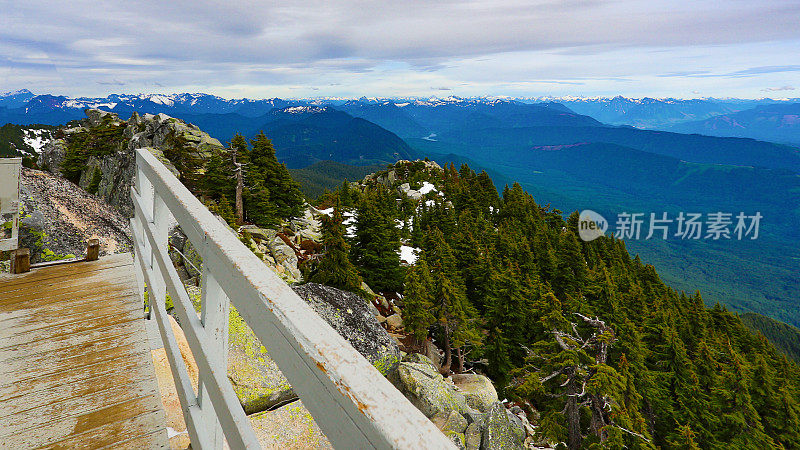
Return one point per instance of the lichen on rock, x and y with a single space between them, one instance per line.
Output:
478 390
350 316
500 431
425 387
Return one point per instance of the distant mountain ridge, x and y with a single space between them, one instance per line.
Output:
657 113
775 122
407 117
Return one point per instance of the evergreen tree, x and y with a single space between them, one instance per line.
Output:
259 209
218 179
345 198
454 315
376 247
335 268
184 158
639 366
418 301
265 171
224 209
237 151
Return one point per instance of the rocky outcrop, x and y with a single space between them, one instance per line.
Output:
395 321
288 427
283 249
52 155
58 218
308 226
256 379
472 436
399 170
478 390
349 315
501 429
425 387
117 168
450 421
464 407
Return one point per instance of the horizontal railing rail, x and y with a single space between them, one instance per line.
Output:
353 404
9 201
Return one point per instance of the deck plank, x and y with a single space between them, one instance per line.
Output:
60 287
67 341
69 271
154 440
75 365
63 313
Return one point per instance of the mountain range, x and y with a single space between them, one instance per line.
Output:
778 122
573 153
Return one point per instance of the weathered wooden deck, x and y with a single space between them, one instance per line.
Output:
75 365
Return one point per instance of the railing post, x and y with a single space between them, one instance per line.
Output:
9 200
145 191
214 317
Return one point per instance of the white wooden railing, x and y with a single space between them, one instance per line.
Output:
9 201
353 404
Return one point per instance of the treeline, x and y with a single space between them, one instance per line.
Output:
245 182
328 175
581 332
784 337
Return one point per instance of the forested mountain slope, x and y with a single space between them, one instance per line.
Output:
580 331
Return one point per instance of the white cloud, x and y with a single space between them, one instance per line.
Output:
778 89
397 48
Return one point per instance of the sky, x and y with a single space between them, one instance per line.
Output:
534 48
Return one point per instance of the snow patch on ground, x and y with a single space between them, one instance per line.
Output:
408 254
350 223
37 139
328 212
427 187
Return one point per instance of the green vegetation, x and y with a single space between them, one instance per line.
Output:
94 184
328 175
99 141
377 242
582 332
758 276
184 158
12 142
268 191
335 268
785 337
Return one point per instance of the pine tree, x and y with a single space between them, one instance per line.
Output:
454 314
345 198
335 268
265 170
218 177
224 209
376 246
237 151
260 210
184 158
418 301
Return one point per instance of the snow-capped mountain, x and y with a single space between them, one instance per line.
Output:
407 116
15 99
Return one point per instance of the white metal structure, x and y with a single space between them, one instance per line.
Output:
354 405
9 200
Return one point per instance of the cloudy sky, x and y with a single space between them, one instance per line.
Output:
742 48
